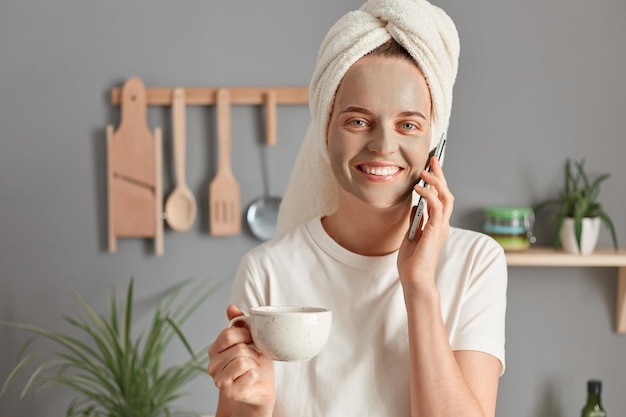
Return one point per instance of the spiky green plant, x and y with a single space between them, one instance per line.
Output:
113 374
579 199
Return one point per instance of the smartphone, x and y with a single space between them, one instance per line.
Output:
419 211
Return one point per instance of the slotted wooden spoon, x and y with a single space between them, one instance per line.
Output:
224 195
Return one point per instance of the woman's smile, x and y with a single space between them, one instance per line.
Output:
379 171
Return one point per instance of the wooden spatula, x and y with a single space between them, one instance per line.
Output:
224 196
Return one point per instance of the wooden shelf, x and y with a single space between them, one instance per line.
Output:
550 257
604 257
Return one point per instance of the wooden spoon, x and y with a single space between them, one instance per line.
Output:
180 207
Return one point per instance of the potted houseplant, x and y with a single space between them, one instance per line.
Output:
579 213
116 373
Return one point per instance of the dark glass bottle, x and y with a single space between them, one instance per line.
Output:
593 408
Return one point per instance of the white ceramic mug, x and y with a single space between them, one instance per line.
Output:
287 333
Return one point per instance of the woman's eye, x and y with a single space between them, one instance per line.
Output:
358 123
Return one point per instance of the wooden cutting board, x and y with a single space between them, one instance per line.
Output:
134 182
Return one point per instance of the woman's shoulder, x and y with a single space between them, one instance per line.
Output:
295 239
469 256
472 242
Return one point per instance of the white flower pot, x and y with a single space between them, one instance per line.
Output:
588 238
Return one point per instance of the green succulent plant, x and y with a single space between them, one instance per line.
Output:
114 374
578 199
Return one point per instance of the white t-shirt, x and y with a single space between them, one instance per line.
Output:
364 368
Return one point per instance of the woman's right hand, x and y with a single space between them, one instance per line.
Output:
244 376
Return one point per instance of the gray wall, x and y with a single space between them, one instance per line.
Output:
539 81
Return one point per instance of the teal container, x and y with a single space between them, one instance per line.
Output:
511 227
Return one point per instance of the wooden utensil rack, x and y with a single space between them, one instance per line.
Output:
124 202
205 96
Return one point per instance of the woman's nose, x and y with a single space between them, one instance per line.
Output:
383 141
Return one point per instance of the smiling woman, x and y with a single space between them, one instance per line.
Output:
523 103
434 305
382 137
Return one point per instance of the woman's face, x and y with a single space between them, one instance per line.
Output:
379 130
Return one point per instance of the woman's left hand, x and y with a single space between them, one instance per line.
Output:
417 259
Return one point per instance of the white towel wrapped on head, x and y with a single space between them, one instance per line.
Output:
430 37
